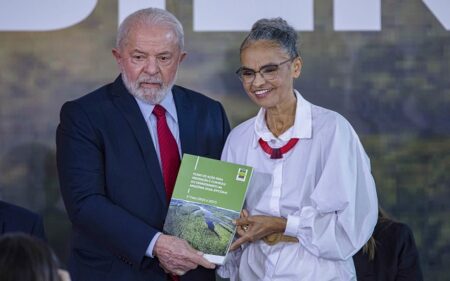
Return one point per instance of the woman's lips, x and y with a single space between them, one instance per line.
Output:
262 93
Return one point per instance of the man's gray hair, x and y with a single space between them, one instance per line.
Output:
276 30
148 17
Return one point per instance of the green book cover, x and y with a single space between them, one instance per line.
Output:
208 195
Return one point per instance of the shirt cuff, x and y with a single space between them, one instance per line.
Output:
292 225
149 252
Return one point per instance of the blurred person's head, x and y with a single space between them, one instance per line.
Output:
149 49
25 258
370 247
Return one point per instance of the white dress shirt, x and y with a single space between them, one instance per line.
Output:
323 187
172 122
171 116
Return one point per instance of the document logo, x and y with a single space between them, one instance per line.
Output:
241 174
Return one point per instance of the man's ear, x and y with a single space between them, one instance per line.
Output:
182 56
117 55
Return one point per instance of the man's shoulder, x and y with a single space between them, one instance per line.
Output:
93 101
191 95
18 219
96 95
18 213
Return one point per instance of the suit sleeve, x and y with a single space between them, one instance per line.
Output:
225 124
80 162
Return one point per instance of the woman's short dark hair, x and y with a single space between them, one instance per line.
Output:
25 258
276 30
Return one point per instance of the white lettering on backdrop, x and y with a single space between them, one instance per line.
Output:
208 15
43 15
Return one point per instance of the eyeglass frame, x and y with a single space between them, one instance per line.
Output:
261 68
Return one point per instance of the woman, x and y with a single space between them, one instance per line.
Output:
390 254
312 203
25 258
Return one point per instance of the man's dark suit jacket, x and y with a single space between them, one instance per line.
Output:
17 219
396 255
111 179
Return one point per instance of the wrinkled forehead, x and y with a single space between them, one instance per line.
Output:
263 43
262 52
150 34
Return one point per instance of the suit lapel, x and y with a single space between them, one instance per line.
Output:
129 108
186 121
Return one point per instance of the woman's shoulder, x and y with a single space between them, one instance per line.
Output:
329 123
243 130
393 229
324 115
238 141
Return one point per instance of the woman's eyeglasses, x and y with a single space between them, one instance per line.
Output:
268 72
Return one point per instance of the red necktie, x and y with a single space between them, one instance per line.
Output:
168 150
277 153
170 158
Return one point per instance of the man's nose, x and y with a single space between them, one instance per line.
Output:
151 66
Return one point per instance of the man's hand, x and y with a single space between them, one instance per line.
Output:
253 228
177 257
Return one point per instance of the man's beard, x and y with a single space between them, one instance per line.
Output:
150 96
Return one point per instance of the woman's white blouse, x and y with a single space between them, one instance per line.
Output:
323 186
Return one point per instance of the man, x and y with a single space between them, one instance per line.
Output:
17 219
116 159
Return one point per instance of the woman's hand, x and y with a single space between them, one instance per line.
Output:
253 228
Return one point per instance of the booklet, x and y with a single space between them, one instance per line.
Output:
208 195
